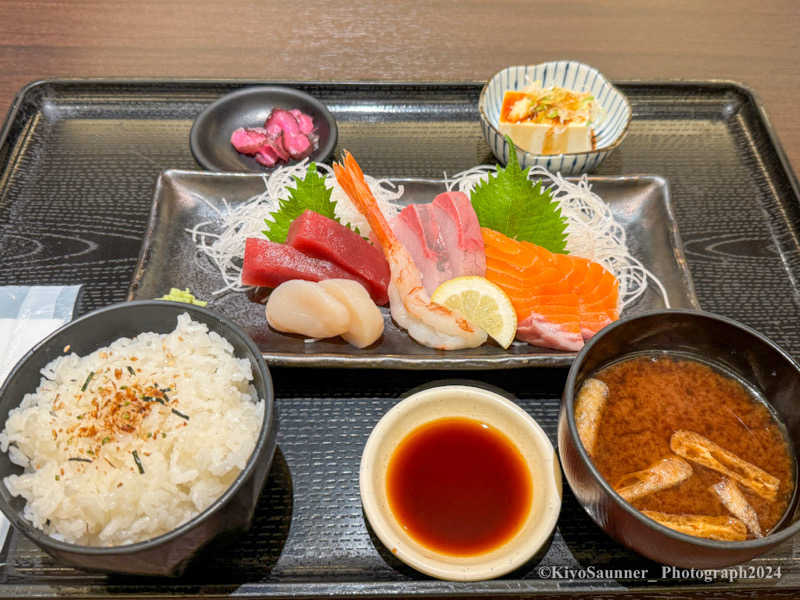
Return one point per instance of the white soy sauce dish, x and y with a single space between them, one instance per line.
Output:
408 430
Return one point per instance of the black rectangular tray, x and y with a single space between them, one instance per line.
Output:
78 164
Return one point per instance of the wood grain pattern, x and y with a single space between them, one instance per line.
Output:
754 43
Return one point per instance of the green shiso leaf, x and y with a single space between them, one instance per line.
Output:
511 204
309 193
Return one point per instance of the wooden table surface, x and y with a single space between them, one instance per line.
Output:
755 43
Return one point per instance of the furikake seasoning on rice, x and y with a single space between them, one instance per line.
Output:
127 443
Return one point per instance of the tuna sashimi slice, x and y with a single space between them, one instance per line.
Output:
268 264
320 237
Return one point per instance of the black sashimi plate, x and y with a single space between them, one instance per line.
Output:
184 199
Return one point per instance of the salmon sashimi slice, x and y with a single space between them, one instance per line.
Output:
573 267
560 300
592 322
599 307
523 253
563 314
526 284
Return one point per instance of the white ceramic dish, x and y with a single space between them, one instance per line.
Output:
487 406
609 129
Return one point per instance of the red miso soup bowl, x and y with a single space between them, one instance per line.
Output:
735 348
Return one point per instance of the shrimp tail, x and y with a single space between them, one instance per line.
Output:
351 178
431 324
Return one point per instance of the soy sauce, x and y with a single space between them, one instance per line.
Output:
459 486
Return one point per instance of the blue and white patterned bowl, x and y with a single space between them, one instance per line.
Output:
614 114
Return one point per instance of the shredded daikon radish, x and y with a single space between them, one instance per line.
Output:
222 238
386 193
592 230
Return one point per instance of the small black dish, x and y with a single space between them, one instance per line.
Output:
740 350
232 513
210 138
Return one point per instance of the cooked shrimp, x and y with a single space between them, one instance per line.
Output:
430 324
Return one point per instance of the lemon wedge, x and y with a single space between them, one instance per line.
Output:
482 303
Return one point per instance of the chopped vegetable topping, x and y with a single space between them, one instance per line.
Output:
88 379
138 462
180 414
552 106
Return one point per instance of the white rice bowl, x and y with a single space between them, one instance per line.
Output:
161 430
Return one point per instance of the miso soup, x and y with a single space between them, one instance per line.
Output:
689 445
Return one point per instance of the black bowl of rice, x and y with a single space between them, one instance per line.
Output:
136 435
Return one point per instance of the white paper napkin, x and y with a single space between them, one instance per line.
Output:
27 316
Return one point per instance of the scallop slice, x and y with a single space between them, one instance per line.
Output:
366 320
304 307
